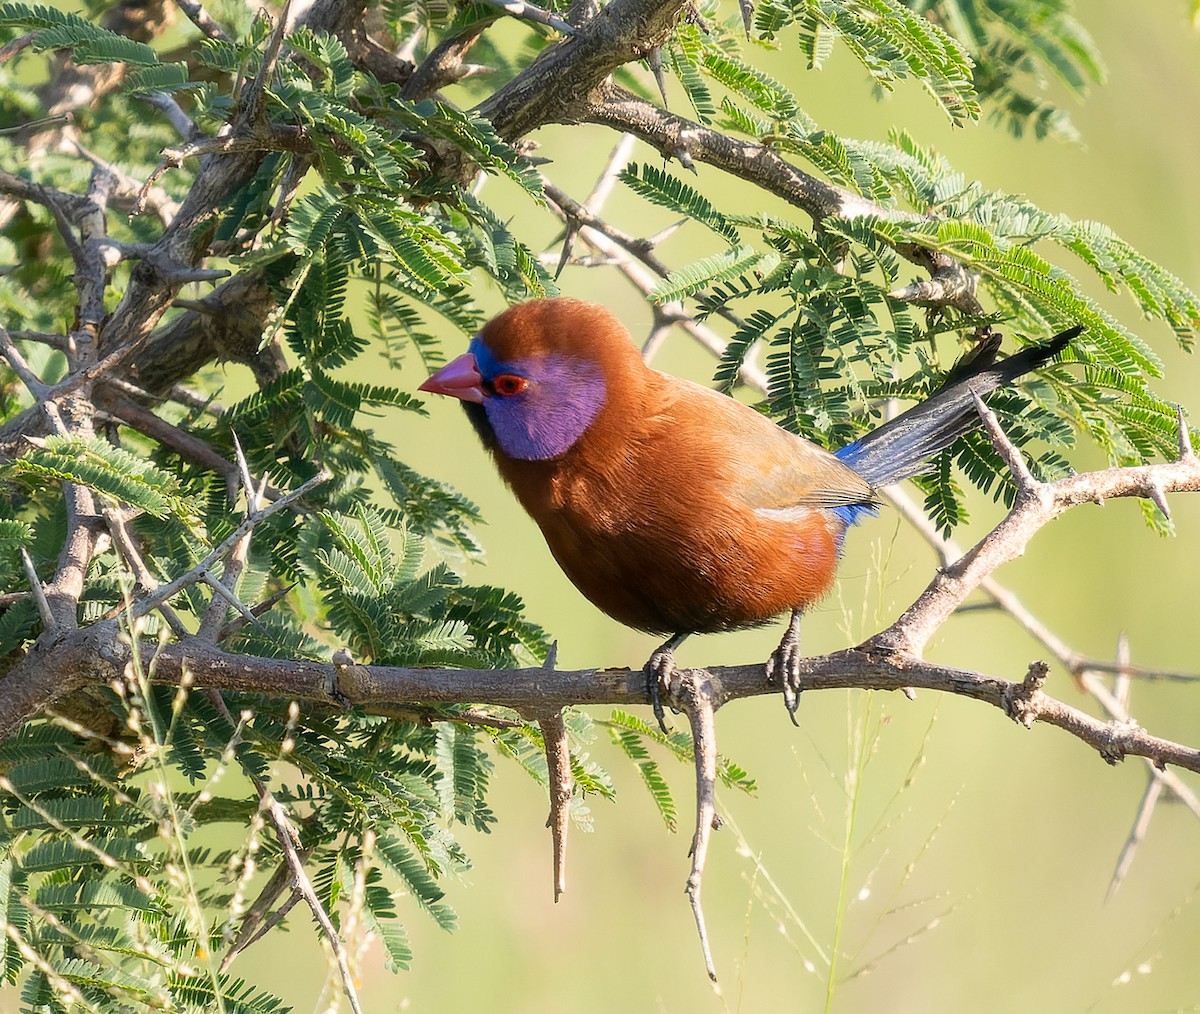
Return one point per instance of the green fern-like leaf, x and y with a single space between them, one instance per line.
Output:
329 56
943 497
379 915
56 29
198 993
667 191
401 860
684 51
752 330
700 274
160 77
631 744
757 88
464 776
108 470
887 38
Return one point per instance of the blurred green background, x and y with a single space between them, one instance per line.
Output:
979 853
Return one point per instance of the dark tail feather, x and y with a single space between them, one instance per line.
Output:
900 447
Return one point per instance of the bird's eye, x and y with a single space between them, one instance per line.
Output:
509 384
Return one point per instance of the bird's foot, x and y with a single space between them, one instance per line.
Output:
783 667
659 671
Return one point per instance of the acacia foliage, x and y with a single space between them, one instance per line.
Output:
353 191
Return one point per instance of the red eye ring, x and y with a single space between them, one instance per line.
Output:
508 385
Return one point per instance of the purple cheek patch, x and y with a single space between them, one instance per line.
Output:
564 396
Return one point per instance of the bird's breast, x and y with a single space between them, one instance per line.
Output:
665 557
686 511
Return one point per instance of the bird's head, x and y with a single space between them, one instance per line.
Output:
535 378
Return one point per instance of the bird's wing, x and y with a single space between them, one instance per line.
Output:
760 464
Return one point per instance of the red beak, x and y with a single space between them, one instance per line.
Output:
460 379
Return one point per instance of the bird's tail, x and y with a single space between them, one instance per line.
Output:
901 446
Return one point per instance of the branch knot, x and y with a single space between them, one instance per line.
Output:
1118 737
1022 702
344 671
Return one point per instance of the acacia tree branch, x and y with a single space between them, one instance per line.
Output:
890 660
97 654
72 660
571 82
635 260
1035 507
676 137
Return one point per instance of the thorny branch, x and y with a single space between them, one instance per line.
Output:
636 260
96 654
888 661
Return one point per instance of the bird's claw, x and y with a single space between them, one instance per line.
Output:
783 667
659 671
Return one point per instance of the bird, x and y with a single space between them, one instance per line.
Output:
674 508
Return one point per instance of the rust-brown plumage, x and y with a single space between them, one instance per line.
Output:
673 508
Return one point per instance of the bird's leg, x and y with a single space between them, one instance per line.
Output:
659 670
784 665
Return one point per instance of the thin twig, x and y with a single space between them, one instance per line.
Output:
33 383
444 65
145 604
199 17
289 844
222 592
529 12
12 48
606 182
137 566
128 189
1141 824
559 784
274 138
179 120
224 589
1009 454
252 103
156 428
39 593
54 340
263 607
253 932
1121 680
